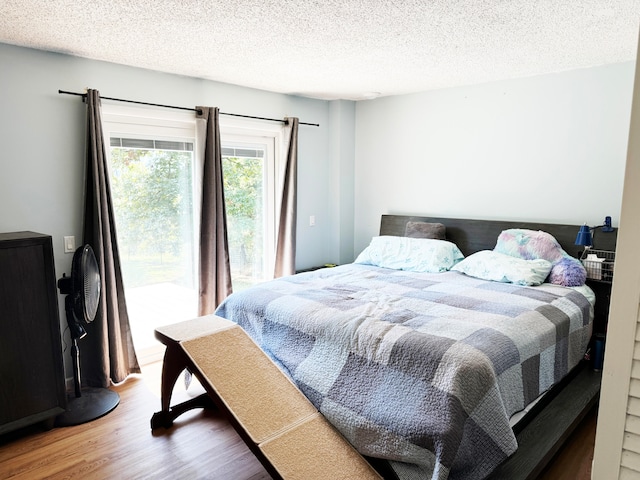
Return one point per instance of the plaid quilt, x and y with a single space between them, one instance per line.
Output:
423 370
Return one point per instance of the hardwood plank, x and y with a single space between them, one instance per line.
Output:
201 444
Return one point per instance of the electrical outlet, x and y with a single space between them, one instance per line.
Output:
69 244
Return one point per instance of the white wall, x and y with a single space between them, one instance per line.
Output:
550 148
43 133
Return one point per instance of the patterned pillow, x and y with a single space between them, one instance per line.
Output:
490 265
531 245
411 254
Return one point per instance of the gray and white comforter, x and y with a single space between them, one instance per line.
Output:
421 369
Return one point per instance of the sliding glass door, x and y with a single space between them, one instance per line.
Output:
153 181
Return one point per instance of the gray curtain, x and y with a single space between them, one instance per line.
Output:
285 263
215 272
107 351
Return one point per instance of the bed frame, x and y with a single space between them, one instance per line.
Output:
547 426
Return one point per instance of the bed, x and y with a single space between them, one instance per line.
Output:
426 372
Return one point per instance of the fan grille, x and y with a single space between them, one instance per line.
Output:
86 284
91 285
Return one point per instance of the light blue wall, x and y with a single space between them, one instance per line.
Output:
342 143
550 148
43 135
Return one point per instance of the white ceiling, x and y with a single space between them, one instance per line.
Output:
333 49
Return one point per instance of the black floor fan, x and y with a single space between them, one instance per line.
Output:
81 305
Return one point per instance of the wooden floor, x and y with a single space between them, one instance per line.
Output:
574 461
121 445
200 445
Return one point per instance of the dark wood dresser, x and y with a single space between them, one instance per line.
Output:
32 384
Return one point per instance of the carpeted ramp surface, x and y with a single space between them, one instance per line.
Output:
296 440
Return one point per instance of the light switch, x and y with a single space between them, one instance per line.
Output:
312 221
69 244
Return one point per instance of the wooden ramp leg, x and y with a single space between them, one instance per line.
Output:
174 363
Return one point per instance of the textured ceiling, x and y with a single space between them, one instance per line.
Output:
333 49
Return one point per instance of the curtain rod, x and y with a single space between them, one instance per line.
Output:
84 95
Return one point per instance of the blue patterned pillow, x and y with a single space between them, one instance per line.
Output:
490 265
411 254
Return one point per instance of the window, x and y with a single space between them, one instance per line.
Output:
250 206
154 175
252 177
152 172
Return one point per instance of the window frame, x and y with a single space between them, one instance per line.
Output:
248 131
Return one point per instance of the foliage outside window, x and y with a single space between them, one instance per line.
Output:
152 192
243 190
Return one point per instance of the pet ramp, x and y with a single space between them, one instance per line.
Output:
277 422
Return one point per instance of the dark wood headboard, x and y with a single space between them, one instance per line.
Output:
474 235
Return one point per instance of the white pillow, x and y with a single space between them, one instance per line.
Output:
411 254
499 267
